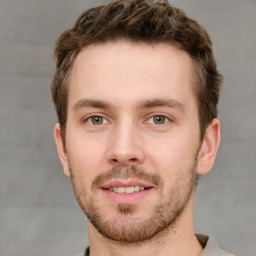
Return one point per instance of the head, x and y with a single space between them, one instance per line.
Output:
136 91
139 21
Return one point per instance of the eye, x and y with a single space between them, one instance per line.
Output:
158 119
97 120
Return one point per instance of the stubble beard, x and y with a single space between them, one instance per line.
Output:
124 228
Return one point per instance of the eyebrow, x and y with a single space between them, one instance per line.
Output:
161 103
91 103
83 103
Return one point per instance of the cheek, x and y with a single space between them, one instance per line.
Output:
85 158
171 155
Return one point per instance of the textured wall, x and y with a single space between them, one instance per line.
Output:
38 213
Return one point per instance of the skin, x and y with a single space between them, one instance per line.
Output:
128 86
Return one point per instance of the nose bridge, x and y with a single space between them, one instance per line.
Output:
124 147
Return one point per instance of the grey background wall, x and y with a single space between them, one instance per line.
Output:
38 212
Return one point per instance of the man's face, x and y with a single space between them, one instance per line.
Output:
132 137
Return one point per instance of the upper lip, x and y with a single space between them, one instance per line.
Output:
125 183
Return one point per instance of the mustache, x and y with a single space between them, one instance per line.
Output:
131 172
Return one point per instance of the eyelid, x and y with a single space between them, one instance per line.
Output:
149 116
152 115
87 117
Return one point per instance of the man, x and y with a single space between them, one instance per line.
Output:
136 91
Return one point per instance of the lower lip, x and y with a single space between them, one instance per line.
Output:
126 198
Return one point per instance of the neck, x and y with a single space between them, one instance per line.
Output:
176 240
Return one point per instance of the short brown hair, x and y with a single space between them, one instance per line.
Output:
145 21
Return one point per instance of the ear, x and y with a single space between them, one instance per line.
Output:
209 147
61 149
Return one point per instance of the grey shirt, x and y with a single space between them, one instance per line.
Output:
211 248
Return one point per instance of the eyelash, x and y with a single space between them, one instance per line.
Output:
105 120
95 116
167 119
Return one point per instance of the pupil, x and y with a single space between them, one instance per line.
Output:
97 120
159 119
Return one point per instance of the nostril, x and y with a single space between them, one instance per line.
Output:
133 159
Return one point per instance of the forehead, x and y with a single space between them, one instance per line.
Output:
125 72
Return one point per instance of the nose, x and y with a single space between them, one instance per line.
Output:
125 146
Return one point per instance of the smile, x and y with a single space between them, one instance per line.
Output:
123 191
127 190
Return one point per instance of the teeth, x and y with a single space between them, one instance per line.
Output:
126 190
129 190
120 190
137 188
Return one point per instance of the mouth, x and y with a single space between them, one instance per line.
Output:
126 192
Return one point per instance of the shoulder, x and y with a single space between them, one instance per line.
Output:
211 247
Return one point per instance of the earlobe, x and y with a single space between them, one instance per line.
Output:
61 149
209 147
